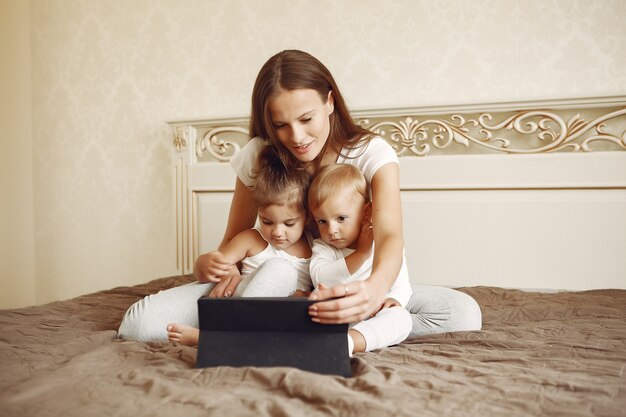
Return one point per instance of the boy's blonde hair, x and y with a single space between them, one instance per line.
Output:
275 184
334 177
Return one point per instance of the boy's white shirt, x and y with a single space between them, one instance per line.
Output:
328 267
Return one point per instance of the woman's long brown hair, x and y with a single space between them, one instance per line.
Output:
291 70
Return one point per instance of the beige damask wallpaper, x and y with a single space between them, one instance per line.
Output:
107 75
17 256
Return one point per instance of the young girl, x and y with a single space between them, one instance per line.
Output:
340 206
279 239
276 255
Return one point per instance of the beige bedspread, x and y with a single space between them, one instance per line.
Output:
538 354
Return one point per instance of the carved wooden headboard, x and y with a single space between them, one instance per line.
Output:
525 195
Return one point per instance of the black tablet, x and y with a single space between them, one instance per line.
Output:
265 332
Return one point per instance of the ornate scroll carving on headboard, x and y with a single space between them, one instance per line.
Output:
215 141
532 131
584 125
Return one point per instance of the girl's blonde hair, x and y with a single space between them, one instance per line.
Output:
275 184
335 177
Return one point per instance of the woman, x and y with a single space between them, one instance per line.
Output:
297 108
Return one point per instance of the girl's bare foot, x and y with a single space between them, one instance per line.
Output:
183 334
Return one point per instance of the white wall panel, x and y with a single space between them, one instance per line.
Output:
557 239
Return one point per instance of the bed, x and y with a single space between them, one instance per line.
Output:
520 205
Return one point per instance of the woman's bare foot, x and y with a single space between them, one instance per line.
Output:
183 334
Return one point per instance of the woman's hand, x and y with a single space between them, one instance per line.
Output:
348 303
213 267
226 287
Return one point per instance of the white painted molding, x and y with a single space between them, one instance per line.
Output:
505 106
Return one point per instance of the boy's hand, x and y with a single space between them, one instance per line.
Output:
366 236
389 302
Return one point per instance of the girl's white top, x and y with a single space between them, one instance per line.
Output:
251 263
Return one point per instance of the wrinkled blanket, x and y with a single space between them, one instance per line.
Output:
560 354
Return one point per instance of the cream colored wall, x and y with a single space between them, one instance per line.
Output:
106 75
17 257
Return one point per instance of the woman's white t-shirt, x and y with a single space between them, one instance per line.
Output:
368 158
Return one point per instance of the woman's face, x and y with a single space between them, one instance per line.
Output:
302 121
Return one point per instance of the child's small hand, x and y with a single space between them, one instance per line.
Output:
366 236
214 266
389 302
